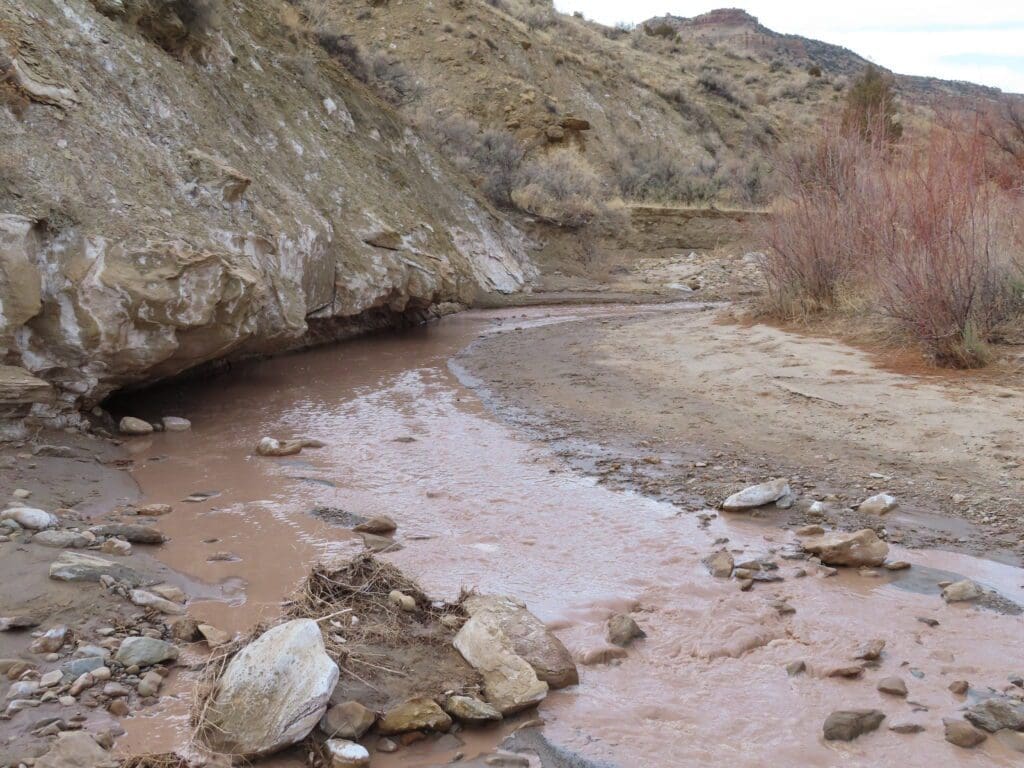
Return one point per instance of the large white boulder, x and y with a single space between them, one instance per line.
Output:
757 495
510 684
273 692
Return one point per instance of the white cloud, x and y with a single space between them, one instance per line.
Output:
950 40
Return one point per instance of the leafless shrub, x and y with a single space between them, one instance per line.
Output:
561 188
920 229
655 172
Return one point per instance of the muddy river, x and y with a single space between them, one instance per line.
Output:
481 505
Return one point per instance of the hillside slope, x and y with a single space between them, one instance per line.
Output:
177 188
676 110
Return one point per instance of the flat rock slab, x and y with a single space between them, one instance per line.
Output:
133 532
852 549
145 651
757 496
19 387
531 639
80 566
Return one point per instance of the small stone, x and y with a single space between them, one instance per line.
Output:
897 565
118 547
30 517
623 630
468 709
347 754
9 623
150 684
146 599
214 637
847 725
144 651
928 621
50 641
387 746
962 733
894 686
848 671
118 708
871 651
795 668
51 679
349 720
880 504
962 591
130 425
416 714
176 424
379 525
997 713
959 687
405 602
810 530
66 701
861 548
21 493
185 629
154 510
757 496
720 564
906 726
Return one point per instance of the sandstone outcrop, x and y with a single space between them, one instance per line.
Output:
160 211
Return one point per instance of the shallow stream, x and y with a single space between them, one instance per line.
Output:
480 505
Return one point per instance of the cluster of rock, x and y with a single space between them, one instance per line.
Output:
133 426
284 685
65 530
112 669
865 550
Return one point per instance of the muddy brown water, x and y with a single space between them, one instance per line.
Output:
480 505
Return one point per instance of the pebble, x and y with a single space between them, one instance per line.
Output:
894 686
795 668
118 708
405 602
623 630
962 591
386 745
847 725
959 687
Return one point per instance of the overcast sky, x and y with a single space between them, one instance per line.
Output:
981 41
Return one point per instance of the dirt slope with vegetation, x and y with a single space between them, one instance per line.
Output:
675 110
189 181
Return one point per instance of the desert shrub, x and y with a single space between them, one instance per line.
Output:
561 188
391 79
655 172
680 100
814 70
717 86
661 29
920 232
1003 127
871 106
491 158
177 26
347 52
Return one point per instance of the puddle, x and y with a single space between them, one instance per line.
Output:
480 506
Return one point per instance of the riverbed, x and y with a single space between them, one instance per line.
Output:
483 504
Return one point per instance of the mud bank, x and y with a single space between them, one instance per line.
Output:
687 405
480 505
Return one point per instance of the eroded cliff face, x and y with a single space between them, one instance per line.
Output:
164 205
